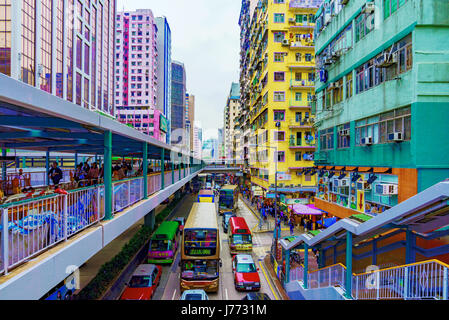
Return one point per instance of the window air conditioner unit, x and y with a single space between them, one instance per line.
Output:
291 20
367 141
397 136
285 42
344 1
369 8
344 132
278 124
387 189
344 183
327 18
331 86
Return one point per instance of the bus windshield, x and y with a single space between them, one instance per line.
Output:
160 245
226 199
241 238
199 269
140 282
200 241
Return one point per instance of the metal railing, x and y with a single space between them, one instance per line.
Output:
422 280
327 277
31 226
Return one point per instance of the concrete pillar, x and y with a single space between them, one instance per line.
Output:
348 285
145 170
287 266
172 172
162 169
47 167
306 264
24 162
410 240
4 165
150 219
108 174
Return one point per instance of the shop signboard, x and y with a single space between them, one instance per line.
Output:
163 124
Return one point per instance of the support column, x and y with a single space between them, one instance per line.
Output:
306 264
4 165
348 285
24 162
150 219
108 175
162 169
321 259
47 167
287 267
145 170
172 172
374 257
410 255
76 159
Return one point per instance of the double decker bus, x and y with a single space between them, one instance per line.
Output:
164 243
229 197
200 249
240 240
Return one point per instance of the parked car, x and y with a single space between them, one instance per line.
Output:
194 295
246 276
225 221
256 296
143 283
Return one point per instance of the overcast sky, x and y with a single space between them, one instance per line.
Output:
206 38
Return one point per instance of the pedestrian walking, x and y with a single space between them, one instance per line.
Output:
292 226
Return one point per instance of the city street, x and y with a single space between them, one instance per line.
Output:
169 286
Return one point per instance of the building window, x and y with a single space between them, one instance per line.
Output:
298 156
298 57
279 136
298 96
279 18
279 36
390 6
279 115
279 76
279 96
279 156
343 137
308 57
327 139
279 56
349 85
381 127
364 24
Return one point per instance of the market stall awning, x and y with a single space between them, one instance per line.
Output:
306 209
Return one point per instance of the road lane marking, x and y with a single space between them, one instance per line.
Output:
173 297
226 294
268 280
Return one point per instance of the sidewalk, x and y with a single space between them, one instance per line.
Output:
285 230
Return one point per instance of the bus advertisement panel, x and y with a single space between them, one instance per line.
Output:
240 239
200 249
164 243
206 196
228 200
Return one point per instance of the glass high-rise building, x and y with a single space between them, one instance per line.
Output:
64 47
178 100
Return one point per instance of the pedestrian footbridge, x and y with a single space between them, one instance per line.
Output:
424 216
45 235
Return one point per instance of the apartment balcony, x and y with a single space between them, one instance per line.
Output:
302 84
293 24
295 105
304 5
301 65
303 44
301 124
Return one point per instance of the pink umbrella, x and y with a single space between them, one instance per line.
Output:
306 209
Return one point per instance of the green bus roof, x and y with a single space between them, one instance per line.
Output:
166 231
